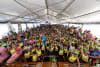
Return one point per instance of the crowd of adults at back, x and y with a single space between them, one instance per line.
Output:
70 44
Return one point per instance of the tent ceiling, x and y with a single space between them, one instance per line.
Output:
55 10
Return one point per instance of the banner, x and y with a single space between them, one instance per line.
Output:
19 27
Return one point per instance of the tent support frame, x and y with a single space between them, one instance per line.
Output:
26 8
85 14
66 7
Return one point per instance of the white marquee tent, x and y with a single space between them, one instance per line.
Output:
56 11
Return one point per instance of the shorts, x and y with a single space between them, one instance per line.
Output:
83 61
42 51
65 54
29 59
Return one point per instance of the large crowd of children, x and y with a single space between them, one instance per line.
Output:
69 44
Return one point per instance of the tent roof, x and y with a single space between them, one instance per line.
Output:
85 11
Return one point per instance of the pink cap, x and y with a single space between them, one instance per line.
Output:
18 49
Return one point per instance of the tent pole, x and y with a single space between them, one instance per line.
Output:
26 27
27 8
66 7
68 25
85 14
82 26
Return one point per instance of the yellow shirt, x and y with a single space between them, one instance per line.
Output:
88 46
72 58
38 44
85 58
47 48
12 51
52 48
92 45
82 49
43 47
39 52
82 36
77 51
27 55
34 58
99 44
56 48
65 50
33 50
20 45
61 52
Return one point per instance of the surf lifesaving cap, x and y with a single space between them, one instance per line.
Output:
18 49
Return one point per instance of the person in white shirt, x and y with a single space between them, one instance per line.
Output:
71 48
